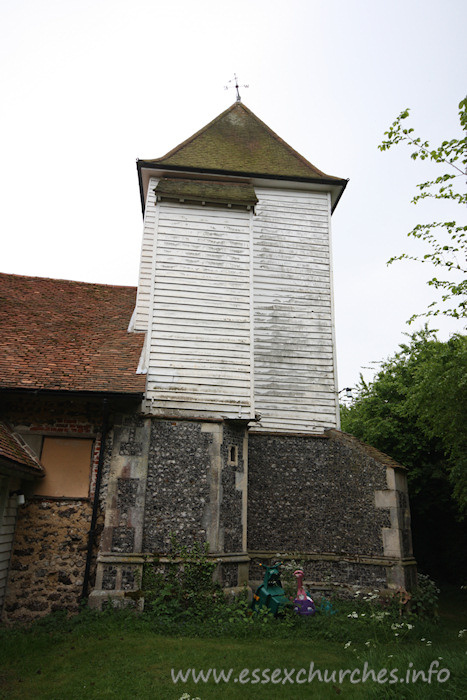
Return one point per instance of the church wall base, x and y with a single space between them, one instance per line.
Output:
322 501
327 502
325 575
48 559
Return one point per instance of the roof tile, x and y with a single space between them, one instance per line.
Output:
212 191
237 141
12 450
64 335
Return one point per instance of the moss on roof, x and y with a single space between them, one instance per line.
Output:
211 191
238 142
353 443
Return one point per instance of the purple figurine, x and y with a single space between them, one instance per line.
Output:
303 604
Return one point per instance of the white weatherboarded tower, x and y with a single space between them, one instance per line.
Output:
235 286
235 442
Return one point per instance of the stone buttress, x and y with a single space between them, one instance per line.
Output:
172 479
338 508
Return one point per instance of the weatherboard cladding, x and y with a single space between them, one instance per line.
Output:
238 142
293 327
64 335
147 262
200 344
210 294
7 536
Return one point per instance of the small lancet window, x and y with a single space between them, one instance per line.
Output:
233 455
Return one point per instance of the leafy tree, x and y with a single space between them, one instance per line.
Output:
446 241
415 410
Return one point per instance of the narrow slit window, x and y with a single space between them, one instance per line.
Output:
233 454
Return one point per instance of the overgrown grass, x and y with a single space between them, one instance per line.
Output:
126 655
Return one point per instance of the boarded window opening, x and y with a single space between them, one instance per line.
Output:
67 464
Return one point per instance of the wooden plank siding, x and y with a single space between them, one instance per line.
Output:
238 309
199 356
293 339
146 270
8 509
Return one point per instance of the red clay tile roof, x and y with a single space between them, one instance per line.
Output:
63 335
12 450
238 141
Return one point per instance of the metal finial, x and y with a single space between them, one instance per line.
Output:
236 86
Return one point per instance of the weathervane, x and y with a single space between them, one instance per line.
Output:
236 86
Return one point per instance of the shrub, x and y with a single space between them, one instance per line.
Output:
186 583
425 597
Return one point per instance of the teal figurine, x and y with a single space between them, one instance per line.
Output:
270 593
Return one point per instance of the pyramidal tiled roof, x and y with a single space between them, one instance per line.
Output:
237 141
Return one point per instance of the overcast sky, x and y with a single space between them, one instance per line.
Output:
87 86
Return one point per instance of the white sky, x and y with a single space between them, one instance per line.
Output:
87 86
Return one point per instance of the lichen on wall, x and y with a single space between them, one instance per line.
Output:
313 494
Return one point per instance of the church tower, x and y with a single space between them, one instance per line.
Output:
235 443
235 286
209 418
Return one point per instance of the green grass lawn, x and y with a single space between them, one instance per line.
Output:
122 655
